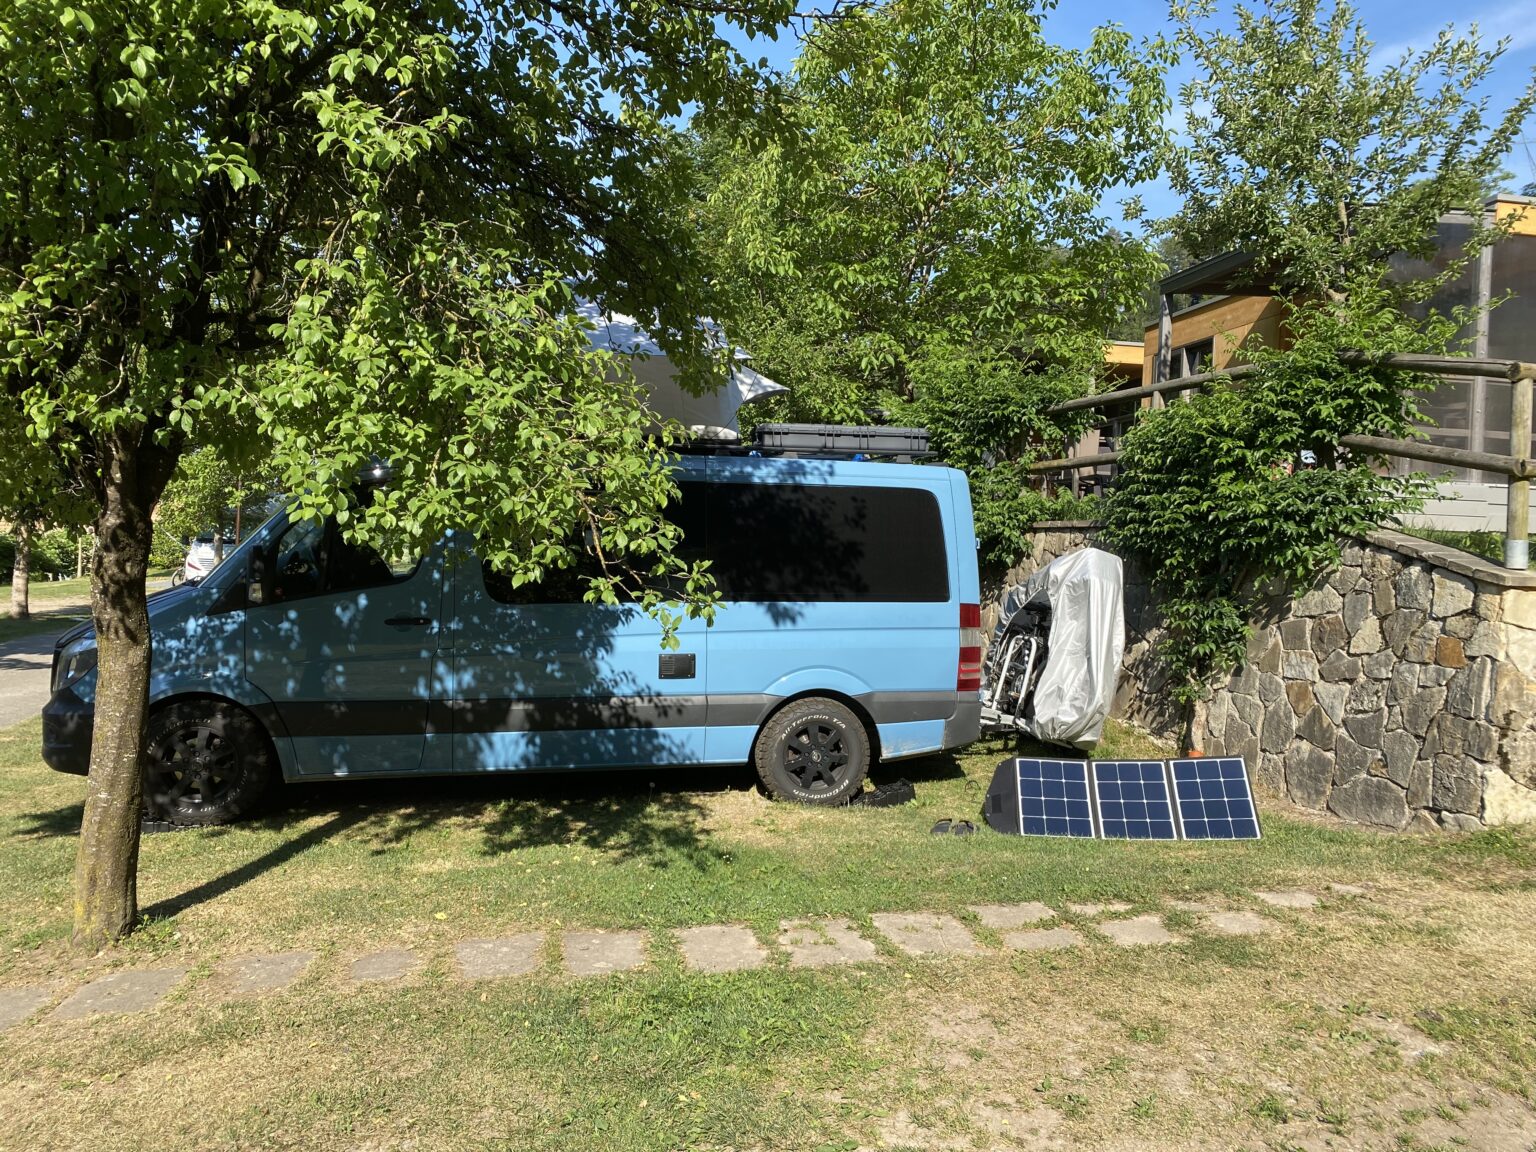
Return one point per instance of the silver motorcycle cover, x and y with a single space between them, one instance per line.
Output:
1075 691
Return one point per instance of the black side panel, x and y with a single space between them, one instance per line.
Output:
1001 807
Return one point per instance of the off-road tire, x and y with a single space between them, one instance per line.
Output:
205 762
812 751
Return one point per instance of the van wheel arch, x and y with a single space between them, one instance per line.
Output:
849 702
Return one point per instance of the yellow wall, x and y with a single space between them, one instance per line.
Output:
1227 322
1523 215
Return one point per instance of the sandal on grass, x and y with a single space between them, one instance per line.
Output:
942 827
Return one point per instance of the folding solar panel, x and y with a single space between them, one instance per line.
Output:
1214 799
1053 798
1133 800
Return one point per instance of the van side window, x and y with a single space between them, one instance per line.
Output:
566 586
311 557
298 557
801 542
569 585
352 566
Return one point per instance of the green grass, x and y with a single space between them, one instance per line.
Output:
1488 545
57 605
1100 1046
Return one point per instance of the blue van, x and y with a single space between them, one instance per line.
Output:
849 628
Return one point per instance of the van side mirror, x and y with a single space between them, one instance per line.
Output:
256 573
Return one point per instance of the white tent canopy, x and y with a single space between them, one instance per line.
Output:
712 415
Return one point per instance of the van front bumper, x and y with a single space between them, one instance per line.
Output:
67 724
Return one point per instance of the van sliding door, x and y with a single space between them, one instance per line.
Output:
543 680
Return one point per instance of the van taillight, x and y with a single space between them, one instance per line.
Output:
968 679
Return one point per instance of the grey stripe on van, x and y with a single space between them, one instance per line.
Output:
310 718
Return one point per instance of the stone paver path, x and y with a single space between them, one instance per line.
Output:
1289 899
925 933
821 943
121 992
16 1004
1237 923
808 943
721 948
1136 931
1042 939
1112 907
383 965
491 959
1006 917
264 972
598 953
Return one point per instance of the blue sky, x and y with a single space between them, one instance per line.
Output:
1393 24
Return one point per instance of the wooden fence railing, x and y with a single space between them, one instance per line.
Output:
1520 469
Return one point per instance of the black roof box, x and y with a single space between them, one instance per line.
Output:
841 439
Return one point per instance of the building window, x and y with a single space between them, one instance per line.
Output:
1193 359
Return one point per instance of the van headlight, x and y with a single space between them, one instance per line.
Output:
74 664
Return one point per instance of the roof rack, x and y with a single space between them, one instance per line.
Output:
834 440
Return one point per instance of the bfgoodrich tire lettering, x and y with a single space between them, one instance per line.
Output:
812 751
204 763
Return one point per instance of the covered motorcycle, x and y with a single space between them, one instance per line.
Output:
1054 658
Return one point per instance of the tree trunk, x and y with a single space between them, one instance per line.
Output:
21 572
1194 735
106 865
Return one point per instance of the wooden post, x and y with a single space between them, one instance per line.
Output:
1517 525
1164 361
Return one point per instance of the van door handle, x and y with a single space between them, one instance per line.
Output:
408 621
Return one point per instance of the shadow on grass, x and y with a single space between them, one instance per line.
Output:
235 877
654 816
63 821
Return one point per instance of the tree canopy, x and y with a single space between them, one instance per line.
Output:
352 230
928 239
1307 150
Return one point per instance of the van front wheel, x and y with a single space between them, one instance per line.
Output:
204 763
814 751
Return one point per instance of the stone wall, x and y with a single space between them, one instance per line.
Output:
1400 690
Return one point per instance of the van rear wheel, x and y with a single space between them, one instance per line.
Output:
813 751
204 763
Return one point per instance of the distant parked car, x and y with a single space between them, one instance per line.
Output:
202 558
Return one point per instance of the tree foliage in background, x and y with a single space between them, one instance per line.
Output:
1324 165
350 230
204 495
37 499
924 237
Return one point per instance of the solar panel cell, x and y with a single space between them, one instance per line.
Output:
1214 799
1133 800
